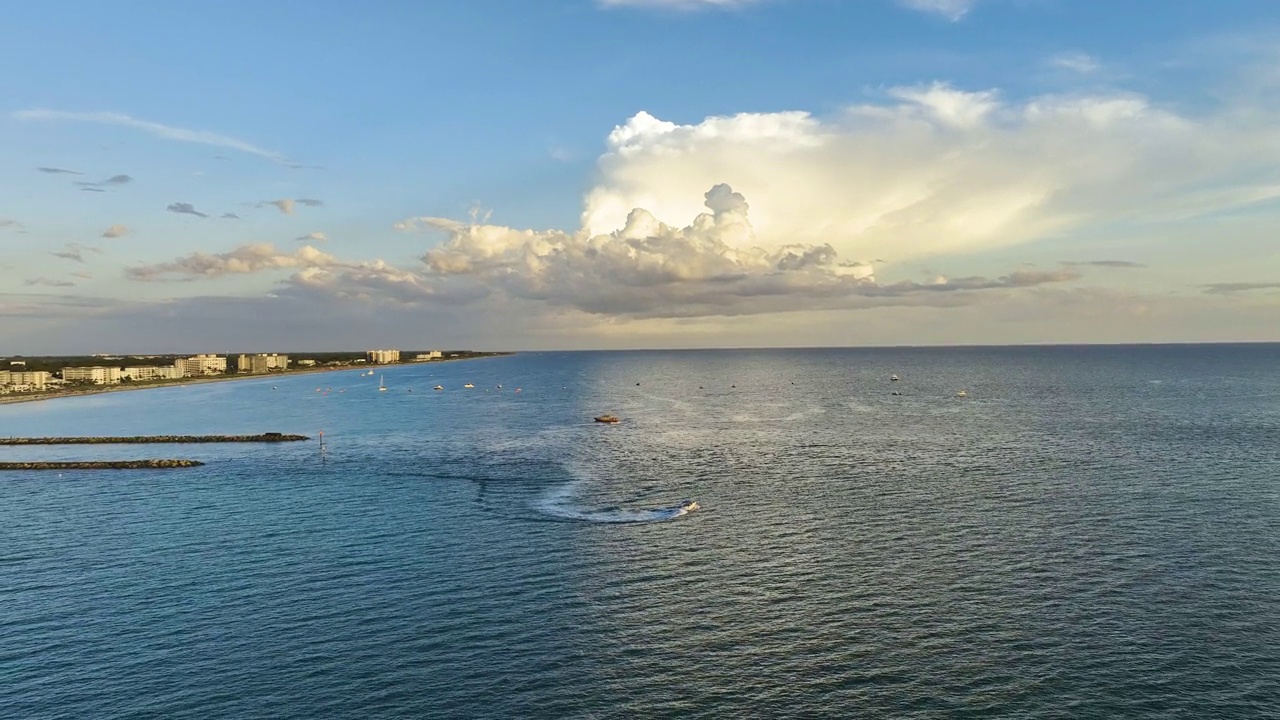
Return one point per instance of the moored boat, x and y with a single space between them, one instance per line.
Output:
607 419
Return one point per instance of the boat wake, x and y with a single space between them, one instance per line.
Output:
559 503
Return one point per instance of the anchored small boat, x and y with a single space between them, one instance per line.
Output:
893 378
962 394
610 419
468 385
438 387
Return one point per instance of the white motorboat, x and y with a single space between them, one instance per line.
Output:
893 378
689 505
962 394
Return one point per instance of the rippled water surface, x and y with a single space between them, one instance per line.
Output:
1092 532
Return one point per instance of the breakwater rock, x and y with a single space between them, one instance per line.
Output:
146 439
101 465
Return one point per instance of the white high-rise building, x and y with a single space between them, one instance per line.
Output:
27 379
201 365
382 357
151 372
262 363
97 374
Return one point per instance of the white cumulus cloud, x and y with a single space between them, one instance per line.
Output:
646 268
935 170
242 260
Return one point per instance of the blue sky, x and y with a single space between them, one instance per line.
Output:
985 171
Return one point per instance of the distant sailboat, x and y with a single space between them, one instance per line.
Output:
382 385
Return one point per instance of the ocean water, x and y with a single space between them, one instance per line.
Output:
1094 532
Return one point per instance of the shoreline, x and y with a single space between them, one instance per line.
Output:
14 399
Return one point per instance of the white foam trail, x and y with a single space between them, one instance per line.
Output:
558 502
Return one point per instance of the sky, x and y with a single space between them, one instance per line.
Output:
577 174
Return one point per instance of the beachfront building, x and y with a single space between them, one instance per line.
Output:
306 363
150 372
201 365
24 379
262 363
382 357
428 355
97 374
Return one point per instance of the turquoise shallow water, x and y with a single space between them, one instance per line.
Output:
1093 532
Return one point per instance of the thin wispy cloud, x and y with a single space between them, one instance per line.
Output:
113 180
82 275
11 224
166 132
75 252
48 282
92 189
115 231
952 10
1103 263
1078 62
230 216
676 4
288 205
183 208
1231 288
58 171
313 237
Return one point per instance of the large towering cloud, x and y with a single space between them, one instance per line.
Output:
646 268
938 171
931 174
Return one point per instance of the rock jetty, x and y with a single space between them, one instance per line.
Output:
147 439
101 465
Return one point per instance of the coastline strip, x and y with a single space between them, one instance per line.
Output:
26 397
100 465
150 439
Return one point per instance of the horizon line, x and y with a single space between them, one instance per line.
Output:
1173 343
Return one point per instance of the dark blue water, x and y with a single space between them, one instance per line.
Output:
1093 532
